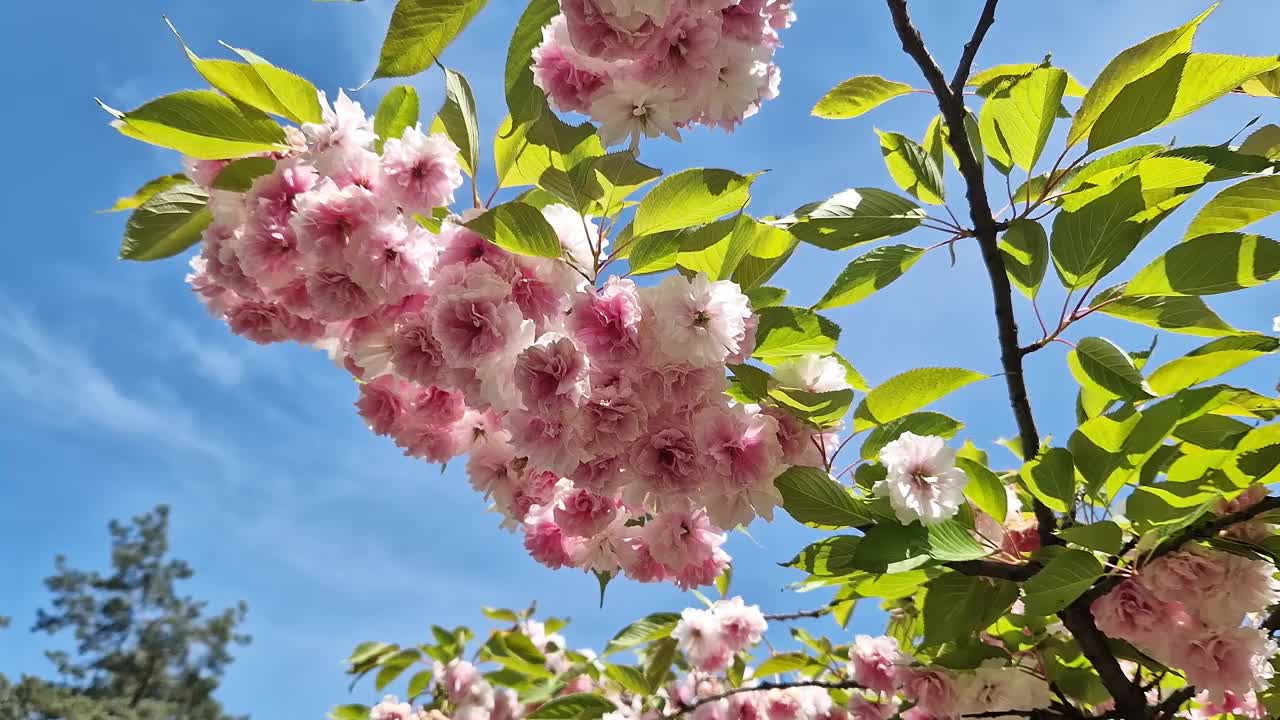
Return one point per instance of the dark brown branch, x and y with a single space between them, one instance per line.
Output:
804 614
1130 703
1169 706
993 569
985 227
1272 623
965 66
836 685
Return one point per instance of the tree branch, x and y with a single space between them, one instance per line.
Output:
1130 703
994 569
840 685
1169 706
951 104
965 66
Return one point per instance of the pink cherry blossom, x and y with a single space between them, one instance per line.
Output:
1132 612
922 482
699 321
607 321
745 456
552 375
420 172
382 403
876 662
584 513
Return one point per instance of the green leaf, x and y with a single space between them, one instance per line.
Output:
1104 536
951 541
457 117
782 663
168 223
1208 265
858 95
1066 577
937 139
518 77
765 296
823 409
772 247
616 175
145 192
1091 240
259 84
1025 249
920 423
691 197
392 667
518 228
911 167
829 557
398 110
419 32
656 252
810 496
1103 363
631 678
1126 67
908 392
717 248
1264 142
500 614
654 626
724 580
1169 504
202 124
1209 361
1181 314
892 548
238 175
1183 84
1018 115
852 217
989 78
959 606
660 657
1237 206
369 651
984 489
419 683
349 712
578 706
868 273
791 331
1051 479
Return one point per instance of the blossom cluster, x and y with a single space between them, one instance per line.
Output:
710 638
649 67
888 678
595 417
1188 609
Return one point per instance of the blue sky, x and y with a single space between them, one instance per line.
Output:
118 392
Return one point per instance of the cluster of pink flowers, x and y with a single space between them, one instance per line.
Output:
1188 609
595 417
710 638
649 67
890 677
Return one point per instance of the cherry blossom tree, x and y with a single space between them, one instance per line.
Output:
599 340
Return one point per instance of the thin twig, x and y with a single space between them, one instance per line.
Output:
838 685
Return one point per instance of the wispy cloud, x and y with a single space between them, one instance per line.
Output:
58 382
